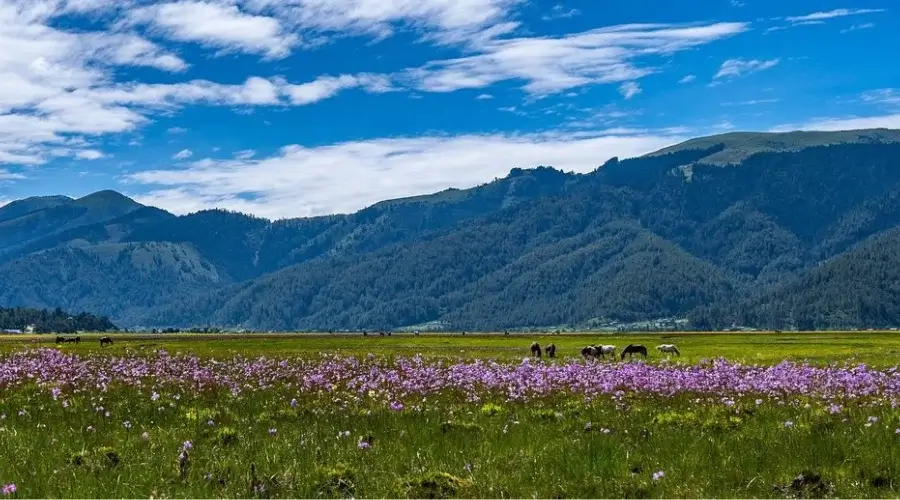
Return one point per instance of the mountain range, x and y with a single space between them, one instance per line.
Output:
764 229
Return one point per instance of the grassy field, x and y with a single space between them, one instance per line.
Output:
871 348
216 421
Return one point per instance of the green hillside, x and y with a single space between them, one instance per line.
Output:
632 241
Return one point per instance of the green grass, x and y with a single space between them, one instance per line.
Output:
448 447
872 348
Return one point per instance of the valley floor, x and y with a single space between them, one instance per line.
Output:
449 416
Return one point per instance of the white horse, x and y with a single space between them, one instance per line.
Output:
668 348
606 349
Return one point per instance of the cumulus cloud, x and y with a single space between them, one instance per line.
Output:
218 25
89 154
345 177
687 79
328 86
733 68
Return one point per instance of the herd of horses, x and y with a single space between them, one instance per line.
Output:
601 351
104 341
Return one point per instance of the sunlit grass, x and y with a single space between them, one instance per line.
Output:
88 440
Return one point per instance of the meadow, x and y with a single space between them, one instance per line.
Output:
737 415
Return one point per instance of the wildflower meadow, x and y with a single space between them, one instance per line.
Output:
125 422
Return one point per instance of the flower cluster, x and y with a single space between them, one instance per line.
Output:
395 380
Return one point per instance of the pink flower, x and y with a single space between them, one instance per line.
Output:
9 489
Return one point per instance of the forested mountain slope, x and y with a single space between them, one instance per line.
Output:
670 234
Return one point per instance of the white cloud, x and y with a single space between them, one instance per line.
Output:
6 175
218 25
733 68
882 96
329 86
346 177
857 27
560 11
483 97
245 154
891 121
177 130
687 79
751 102
548 64
184 154
446 21
831 14
629 89
89 154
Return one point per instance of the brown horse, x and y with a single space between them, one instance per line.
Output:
634 349
551 351
105 341
536 350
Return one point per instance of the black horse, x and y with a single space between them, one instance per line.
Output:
634 349
105 341
60 340
536 350
551 351
590 352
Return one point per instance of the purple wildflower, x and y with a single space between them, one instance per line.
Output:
658 475
187 446
9 489
397 406
364 445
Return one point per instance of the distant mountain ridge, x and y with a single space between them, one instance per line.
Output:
636 239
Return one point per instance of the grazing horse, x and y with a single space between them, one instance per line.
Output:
77 339
536 350
70 340
105 341
551 351
603 350
60 340
590 352
668 348
634 348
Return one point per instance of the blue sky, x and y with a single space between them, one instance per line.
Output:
288 108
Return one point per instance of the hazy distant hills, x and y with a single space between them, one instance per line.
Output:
762 229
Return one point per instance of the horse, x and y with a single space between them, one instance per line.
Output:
77 339
634 348
70 340
668 348
60 340
105 341
551 351
536 350
607 349
590 352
